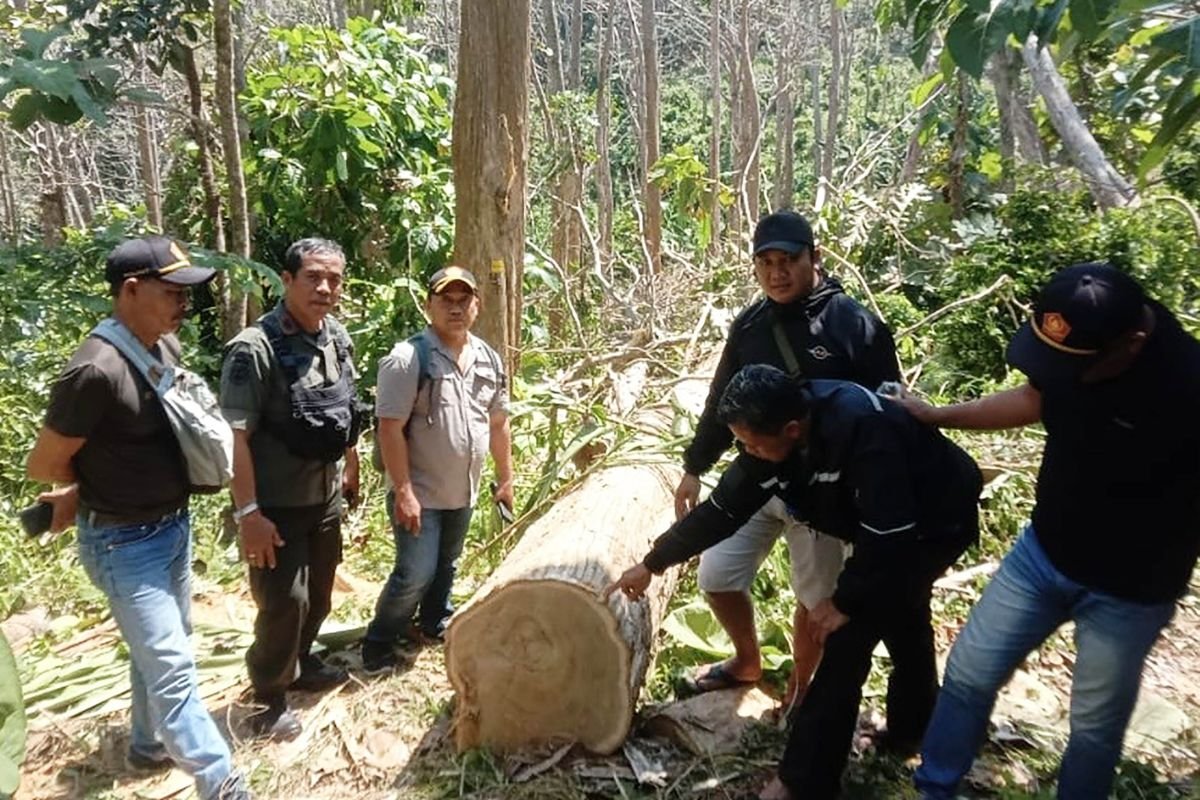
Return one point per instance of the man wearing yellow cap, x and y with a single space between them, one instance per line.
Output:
442 404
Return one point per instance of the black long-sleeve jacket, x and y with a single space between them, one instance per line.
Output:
832 335
869 474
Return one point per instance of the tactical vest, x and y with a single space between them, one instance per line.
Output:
325 420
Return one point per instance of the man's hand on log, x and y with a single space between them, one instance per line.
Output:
824 620
687 495
632 583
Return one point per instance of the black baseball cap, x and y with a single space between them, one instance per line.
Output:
154 257
783 230
1080 311
444 277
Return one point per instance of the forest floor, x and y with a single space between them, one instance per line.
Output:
388 737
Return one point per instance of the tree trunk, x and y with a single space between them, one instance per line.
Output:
714 136
835 71
955 184
604 187
818 128
652 194
554 63
232 145
147 149
539 629
490 153
574 67
749 113
567 232
12 213
785 115
1109 189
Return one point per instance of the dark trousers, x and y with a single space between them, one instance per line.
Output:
294 598
819 743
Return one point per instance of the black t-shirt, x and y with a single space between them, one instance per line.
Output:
831 335
871 474
1118 494
131 465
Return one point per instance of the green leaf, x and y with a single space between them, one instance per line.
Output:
1047 23
61 112
921 93
973 37
991 165
1182 38
26 111
1088 17
1171 128
37 41
12 721
340 165
361 119
55 78
142 94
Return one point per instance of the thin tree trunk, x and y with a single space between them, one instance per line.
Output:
554 60
835 69
232 146
574 68
604 186
749 111
490 154
714 136
785 115
958 148
653 195
1108 187
818 132
12 216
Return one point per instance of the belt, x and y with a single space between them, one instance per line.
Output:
103 519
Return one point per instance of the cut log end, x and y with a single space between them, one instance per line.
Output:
540 662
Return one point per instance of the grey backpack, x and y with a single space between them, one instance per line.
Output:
204 436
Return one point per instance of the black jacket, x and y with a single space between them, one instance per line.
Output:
832 335
870 474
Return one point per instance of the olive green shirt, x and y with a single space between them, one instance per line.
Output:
254 393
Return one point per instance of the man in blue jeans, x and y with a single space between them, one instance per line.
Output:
108 441
442 403
1115 530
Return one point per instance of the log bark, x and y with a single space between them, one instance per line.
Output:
536 656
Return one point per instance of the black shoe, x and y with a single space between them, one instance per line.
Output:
276 722
158 761
378 656
317 676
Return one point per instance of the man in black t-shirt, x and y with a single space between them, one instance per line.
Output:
107 438
807 326
1115 530
866 472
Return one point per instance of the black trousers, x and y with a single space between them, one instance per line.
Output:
823 726
294 598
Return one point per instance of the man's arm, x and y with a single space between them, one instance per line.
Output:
500 444
50 462
259 536
350 477
1012 408
393 448
712 438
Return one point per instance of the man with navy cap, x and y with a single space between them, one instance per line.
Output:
807 326
1115 531
124 484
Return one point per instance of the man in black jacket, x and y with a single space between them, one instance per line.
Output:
807 326
867 472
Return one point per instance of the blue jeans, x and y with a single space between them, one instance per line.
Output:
145 572
1026 601
423 574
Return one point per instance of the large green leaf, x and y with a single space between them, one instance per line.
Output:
1182 38
1089 17
1047 21
12 721
1172 125
26 111
976 34
55 78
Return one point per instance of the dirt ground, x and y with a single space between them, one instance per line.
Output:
387 737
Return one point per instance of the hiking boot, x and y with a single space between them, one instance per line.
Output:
317 676
157 761
276 721
378 656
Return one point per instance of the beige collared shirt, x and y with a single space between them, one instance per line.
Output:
449 420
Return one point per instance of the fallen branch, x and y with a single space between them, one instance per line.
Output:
949 307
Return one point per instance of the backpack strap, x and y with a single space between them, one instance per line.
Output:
120 337
424 349
785 347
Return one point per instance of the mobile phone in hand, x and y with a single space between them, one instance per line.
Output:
506 513
37 518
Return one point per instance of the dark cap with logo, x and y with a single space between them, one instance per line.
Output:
443 278
1080 311
154 257
783 230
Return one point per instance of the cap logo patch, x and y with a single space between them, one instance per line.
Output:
1055 327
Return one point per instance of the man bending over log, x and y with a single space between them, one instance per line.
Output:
870 474
807 326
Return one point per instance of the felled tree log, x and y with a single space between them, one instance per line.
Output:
536 656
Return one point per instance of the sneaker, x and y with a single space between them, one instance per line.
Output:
158 761
317 676
377 656
276 722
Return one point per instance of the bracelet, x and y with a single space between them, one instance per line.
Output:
241 513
